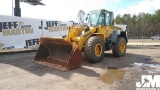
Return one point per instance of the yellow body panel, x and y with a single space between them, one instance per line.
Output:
85 37
78 35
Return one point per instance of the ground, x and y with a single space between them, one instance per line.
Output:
19 72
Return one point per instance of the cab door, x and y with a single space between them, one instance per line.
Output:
108 24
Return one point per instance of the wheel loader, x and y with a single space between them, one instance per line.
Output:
93 39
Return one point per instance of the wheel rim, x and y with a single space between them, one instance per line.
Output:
122 47
98 50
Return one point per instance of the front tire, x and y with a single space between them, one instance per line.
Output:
119 48
94 49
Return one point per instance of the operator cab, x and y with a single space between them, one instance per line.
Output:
100 17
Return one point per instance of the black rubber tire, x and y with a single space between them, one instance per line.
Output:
89 49
116 47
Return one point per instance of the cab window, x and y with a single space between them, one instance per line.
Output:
101 19
108 18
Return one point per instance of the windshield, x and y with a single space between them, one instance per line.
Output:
93 17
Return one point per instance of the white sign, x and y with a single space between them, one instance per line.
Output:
18 32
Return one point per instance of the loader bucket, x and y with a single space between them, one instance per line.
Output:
58 53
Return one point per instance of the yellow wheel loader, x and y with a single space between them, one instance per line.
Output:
98 36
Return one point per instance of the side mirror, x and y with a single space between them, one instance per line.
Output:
87 16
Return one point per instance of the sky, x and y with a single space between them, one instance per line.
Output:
66 10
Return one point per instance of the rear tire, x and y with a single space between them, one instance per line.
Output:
94 49
119 48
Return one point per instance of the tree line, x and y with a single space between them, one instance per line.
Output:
141 25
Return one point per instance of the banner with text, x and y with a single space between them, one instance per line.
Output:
19 32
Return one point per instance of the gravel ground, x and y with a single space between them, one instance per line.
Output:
143 40
146 42
19 72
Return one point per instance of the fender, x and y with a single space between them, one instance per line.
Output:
102 36
114 36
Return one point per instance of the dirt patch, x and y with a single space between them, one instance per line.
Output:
112 75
